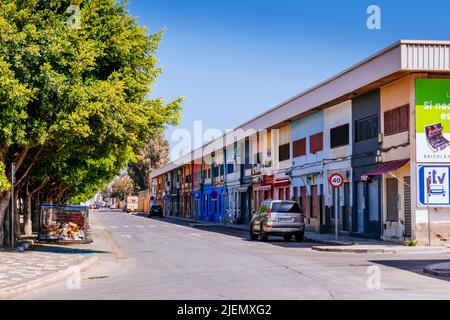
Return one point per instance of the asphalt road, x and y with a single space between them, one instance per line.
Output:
143 258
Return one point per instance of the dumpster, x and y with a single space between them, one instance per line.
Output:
64 224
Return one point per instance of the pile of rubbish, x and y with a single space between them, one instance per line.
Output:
63 232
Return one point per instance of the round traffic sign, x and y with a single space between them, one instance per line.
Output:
336 180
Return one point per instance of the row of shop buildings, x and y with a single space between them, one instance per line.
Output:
383 124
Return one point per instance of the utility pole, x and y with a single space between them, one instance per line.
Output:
13 207
428 210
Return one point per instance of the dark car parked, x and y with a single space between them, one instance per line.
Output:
156 211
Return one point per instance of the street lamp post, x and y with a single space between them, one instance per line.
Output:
428 210
13 207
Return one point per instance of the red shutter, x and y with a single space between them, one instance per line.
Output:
299 148
396 120
316 143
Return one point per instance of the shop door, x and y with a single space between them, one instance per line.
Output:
315 202
407 206
243 207
373 221
346 216
360 207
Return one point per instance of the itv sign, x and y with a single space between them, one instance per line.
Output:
434 186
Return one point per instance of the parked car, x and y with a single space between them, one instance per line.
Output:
278 218
155 211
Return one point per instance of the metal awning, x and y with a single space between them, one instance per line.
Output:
384 168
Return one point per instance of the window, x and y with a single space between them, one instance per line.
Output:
340 136
396 120
286 207
299 148
284 152
316 143
366 129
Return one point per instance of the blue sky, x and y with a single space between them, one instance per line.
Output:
233 59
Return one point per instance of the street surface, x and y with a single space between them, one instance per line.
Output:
143 258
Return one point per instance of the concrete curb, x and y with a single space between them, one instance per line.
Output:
438 270
396 250
12 292
329 242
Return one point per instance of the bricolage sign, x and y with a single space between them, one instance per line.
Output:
434 186
433 120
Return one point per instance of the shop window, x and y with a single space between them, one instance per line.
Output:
316 143
396 120
299 148
340 136
284 152
366 129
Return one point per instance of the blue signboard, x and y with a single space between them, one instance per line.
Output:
225 192
196 196
214 195
434 186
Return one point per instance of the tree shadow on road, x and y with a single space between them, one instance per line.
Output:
66 250
415 266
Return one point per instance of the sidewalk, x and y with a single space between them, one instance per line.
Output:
345 244
21 272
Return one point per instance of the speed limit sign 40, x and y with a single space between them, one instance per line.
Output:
336 180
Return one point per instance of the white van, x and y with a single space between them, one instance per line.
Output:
132 204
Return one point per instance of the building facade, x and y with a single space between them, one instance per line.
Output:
383 124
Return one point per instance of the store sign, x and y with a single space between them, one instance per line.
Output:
434 186
214 195
433 120
197 196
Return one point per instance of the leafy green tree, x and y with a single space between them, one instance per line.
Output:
74 101
154 155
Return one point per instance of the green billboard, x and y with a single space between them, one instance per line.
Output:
433 120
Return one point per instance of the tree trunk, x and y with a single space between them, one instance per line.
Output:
28 225
4 202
